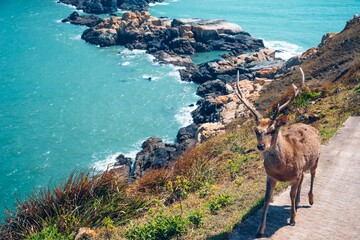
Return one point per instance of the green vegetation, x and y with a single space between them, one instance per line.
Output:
213 186
159 227
50 233
221 201
305 98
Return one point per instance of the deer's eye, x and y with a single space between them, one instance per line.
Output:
258 134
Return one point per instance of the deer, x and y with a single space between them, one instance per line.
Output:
288 153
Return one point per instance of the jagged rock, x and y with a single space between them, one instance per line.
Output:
326 38
139 30
269 72
297 60
87 20
85 233
214 87
102 37
244 63
208 130
108 6
186 136
155 154
208 110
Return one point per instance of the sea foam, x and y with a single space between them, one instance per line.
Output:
158 3
109 161
184 117
284 50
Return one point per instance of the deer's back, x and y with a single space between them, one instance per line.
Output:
306 142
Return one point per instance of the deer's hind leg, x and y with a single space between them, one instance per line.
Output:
293 194
312 172
311 195
297 201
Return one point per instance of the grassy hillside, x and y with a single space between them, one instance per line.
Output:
214 186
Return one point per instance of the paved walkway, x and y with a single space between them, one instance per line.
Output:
336 210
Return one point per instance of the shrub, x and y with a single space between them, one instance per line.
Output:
159 227
357 89
196 218
305 97
221 201
83 200
50 233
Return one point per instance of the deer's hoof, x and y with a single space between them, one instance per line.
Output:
292 223
311 198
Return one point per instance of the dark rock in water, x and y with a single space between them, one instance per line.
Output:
123 166
208 111
102 38
246 64
186 136
122 160
140 30
181 46
216 87
87 20
109 6
155 154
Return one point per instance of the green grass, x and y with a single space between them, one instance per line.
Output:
212 188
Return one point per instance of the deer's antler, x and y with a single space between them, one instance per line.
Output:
296 92
240 95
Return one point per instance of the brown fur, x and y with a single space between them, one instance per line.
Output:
288 153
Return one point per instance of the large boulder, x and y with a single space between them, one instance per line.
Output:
87 20
108 6
186 136
209 130
102 37
214 87
208 110
155 154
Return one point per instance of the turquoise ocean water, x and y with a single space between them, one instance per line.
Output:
65 104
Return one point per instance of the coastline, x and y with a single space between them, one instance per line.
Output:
172 41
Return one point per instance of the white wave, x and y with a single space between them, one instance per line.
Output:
158 3
183 117
109 161
128 52
59 21
125 63
76 37
285 50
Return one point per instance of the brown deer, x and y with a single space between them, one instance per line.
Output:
287 153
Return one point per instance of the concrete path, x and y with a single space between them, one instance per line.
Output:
336 210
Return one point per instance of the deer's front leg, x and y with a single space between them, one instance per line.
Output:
293 193
270 185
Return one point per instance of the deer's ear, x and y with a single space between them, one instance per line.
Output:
281 121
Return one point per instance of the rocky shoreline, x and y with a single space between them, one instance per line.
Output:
108 6
172 41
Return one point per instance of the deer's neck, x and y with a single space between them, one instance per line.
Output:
277 146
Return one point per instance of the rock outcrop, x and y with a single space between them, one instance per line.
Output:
108 6
155 154
247 64
87 20
139 30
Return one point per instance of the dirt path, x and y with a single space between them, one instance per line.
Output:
336 211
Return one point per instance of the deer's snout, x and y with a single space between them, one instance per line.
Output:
261 147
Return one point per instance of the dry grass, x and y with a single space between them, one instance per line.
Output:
226 165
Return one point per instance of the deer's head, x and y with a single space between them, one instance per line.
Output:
267 129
